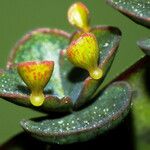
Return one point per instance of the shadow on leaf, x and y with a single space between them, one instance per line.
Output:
77 75
121 137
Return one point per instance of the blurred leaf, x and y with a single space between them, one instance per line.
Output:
138 76
137 10
144 44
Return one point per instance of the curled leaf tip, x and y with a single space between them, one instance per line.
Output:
36 75
84 53
78 15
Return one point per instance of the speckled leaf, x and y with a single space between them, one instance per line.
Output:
122 132
144 44
109 108
138 77
108 40
13 89
137 10
42 44
72 77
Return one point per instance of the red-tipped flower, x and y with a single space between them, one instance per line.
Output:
84 53
36 75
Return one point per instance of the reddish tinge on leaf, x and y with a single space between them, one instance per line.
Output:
36 75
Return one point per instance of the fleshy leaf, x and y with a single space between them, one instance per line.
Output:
144 44
81 92
42 44
63 81
138 76
122 132
13 89
137 10
110 107
71 79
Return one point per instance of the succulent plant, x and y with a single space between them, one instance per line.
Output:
138 74
77 65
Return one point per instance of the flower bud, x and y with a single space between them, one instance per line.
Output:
78 15
36 75
84 53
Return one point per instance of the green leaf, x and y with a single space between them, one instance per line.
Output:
67 81
109 108
137 10
42 44
138 76
13 89
80 87
122 132
144 44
